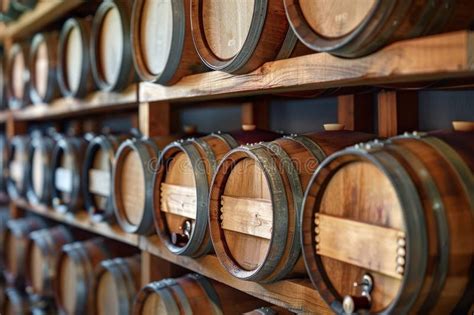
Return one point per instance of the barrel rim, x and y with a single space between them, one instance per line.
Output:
261 155
15 103
413 220
126 67
23 143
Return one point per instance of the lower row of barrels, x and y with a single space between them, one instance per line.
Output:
395 216
66 276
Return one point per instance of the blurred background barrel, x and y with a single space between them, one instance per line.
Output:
42 253
75 276
4 217
4 157
192 294
181 187
40 161
255 202
74 70
16 302
15 243
118 281
18 166
68 158
357 28
111 51
43 61
396 217
18 76
3 83
97 175
239 36
163 49
135 164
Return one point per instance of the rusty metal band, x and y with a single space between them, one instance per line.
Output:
226 138
211 293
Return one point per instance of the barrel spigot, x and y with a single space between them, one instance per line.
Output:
353 304
180 239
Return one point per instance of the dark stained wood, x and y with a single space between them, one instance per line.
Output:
356 112
397 112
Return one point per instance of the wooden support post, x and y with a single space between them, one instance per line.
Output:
155 269
397 112
256 113
156 119
356 112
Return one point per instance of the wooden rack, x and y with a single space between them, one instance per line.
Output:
442 59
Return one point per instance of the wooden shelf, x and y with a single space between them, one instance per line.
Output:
440 57
297 295
81 220
97 102
45 12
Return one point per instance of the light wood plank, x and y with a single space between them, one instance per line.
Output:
248 216
99 182
179 200
368 246
442 56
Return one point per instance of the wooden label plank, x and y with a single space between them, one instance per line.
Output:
16 170
99 182
368 246
63 180
179 200
248 216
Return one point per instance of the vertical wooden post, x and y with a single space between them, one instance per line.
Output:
256 113
155 269
156 119
397 112
356 112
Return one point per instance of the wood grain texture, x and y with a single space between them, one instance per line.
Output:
397 112
356 112
443 56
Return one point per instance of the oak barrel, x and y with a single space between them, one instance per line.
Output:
4 217
397 218
3 82
40 167
239 36
74 65
18 76
97 175
18 166
255 202
357 28
118 282
135 164
111 51
191 294
15 243
42 62
15 303
11 10
75 275
67 181
163 49
42 252
181 187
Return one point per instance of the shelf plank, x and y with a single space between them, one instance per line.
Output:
82 221
297 295
439 57
45 12
70 107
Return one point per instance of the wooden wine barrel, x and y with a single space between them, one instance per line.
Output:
4 217
111 48
135 164
360 27
97 174
118 281
42 251
75 275
191 294
163 49
3 82
239 36
74 67
15 303
40 160
43 62
15 242
18 166
255 202
9 12
18 76
68 157
4 156
181 187
397 218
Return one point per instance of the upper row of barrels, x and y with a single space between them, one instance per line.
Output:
397 213
163 40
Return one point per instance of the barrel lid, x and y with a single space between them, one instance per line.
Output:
463 125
